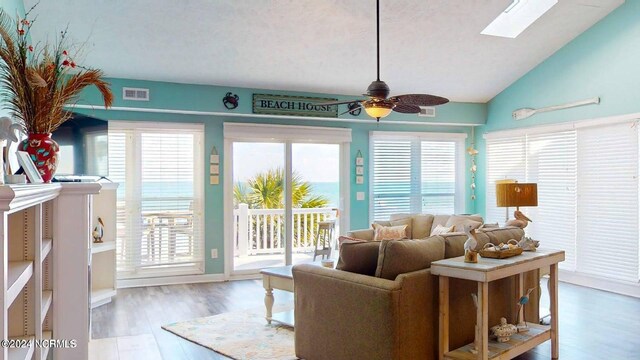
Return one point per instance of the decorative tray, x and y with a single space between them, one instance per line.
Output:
499 254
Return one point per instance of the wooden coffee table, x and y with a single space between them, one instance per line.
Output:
277 278
485 271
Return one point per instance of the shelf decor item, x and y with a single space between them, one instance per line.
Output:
98 231
24 159
522 322
470 252
38 82
503 331
496 252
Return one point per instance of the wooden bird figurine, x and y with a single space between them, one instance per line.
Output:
522 323
521 220
98 231
470 252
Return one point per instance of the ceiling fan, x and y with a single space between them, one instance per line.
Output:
378 104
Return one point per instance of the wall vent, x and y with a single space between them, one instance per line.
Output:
136 94
427 111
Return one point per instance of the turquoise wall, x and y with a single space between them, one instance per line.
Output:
603 61
209 98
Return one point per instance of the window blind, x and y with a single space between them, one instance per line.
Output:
588 194
160 200
413 174
392 178
505 160
551 163
607 238
438 171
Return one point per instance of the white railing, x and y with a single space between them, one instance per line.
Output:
261 231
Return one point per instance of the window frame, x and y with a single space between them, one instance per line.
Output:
459 139
134 130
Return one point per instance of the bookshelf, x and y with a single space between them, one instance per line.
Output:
103 265
45 228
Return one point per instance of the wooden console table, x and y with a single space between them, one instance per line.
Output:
485 271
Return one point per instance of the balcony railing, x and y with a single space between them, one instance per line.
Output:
261 231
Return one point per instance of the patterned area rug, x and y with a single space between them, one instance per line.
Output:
239 335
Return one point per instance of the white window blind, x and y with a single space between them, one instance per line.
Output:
505 160
414 174
588 194
551 163
607 239
438 171
392 179
160 199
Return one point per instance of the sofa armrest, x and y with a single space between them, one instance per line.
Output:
358 316
363 234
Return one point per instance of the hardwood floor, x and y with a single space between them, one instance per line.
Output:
593 324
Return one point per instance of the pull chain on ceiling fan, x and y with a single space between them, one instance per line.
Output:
378 105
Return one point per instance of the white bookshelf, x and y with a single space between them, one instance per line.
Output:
103 265
25 257
45 241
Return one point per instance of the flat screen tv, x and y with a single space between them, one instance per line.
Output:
84 146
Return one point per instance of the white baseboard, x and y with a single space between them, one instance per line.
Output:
251 276
618 287
169 280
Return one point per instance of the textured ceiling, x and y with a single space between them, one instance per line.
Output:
323 46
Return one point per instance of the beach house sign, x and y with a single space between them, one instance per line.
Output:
293 105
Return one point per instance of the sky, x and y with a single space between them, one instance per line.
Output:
314 162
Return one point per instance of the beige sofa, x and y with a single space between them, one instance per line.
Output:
346 315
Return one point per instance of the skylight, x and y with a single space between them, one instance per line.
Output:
517 17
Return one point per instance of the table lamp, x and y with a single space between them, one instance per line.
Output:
512 193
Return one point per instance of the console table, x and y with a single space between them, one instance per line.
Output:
485 271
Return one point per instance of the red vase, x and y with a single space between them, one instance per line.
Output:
43 150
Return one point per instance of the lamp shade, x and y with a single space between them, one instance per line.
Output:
378 109
510 194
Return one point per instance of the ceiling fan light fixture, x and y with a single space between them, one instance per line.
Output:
378 109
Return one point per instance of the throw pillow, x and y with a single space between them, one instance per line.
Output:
389 232
439 230
359 257
399 257
405 221
470 224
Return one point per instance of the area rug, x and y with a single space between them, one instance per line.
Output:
239 335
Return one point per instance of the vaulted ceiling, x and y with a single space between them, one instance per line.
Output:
328 46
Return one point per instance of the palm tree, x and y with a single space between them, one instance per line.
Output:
266 191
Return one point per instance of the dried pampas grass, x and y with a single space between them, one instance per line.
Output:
37 84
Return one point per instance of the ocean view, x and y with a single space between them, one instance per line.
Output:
178 194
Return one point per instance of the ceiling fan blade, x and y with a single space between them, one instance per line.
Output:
406 108
352 110
420 99
337 102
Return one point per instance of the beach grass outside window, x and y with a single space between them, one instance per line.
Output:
160 198
416 173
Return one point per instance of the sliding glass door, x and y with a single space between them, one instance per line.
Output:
281 191
258 204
